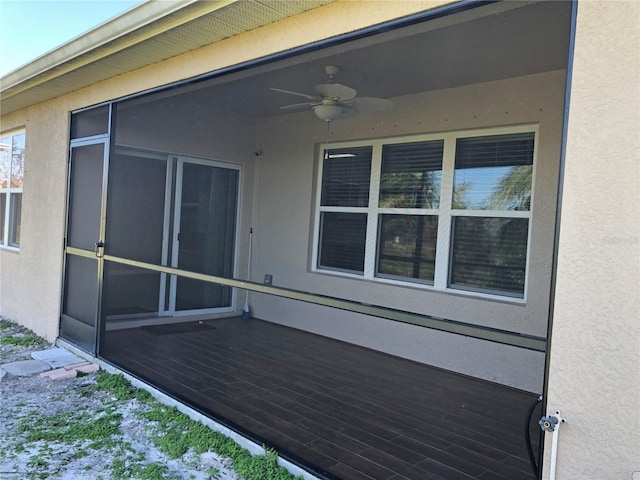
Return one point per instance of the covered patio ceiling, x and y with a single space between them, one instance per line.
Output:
448 52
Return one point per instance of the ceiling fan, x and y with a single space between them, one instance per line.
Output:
333 100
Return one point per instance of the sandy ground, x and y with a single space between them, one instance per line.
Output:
27 402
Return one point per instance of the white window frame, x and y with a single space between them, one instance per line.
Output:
9 223
444 213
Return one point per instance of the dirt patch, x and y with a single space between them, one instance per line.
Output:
99 427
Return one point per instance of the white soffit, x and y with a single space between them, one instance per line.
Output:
147 34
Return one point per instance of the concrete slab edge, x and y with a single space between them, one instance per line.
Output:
165 399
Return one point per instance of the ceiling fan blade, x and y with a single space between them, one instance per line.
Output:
371 104
335 90
349 111
309 97
298 106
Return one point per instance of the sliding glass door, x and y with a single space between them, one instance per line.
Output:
203 230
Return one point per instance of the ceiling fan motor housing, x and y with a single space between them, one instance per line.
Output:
331 71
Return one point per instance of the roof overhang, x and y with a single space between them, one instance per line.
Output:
148 33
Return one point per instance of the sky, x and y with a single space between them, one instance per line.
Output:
30 28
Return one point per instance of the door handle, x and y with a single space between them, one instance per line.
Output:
99 249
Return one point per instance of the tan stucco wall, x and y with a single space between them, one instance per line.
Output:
30 281
283 230
594 375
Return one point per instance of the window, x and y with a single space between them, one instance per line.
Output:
346 178
492 181
11 180
450 211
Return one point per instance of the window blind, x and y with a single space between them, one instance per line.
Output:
342 241
412 157
407 246
346 177
489 254
495 151
411 175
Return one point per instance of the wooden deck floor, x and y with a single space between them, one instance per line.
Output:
345 411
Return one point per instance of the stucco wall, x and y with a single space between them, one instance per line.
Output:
283 222
30 279
594 373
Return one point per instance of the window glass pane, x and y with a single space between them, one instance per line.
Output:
407 246
489 254
345 177
3 215
90 122
411 175
208 219
494 172
5 155
14 219
17 161
342 241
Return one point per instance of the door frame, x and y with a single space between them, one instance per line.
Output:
97 254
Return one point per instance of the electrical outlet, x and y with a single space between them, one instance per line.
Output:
268 279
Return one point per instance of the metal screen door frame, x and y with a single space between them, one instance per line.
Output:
84 242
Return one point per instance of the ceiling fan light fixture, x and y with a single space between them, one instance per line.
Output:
328 112
333 100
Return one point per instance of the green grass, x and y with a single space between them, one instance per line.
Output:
176 434
126 469
120 388
97 432
21 340
20 336
173 432
85 432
